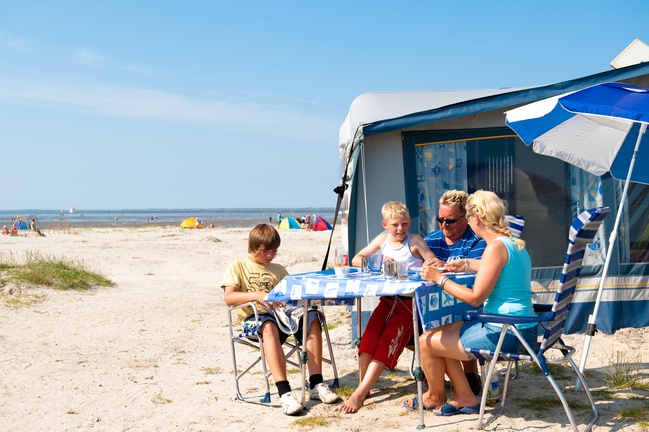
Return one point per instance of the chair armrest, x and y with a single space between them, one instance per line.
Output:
242 305
504 319
542 307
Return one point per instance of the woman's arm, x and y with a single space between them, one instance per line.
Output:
493 260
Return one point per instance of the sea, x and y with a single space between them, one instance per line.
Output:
223 217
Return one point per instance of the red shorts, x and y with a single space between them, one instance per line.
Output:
387 334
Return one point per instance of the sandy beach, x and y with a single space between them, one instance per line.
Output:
152 353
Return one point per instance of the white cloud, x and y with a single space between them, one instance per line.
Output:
18 43
132 102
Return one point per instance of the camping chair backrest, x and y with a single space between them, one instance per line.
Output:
582 232
516 224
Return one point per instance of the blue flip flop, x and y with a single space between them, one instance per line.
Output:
414 405
449 409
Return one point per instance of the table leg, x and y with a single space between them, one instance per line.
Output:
359 325
418 372
304 356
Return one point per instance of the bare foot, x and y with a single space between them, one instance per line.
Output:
351 405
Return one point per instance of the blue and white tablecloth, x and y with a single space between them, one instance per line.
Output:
435 306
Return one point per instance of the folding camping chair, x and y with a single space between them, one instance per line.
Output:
583 230
516 224
249 336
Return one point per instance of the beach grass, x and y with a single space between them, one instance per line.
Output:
622 373
60 273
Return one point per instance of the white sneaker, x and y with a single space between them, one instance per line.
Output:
323 392
290 405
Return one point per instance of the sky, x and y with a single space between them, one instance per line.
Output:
212 104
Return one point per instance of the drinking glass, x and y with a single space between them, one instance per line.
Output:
375 262
402 269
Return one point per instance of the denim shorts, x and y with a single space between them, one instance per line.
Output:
313 315
485 336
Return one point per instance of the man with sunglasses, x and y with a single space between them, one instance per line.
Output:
456 240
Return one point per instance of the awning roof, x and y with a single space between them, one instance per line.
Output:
378 112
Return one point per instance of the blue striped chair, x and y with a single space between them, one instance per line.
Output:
516 224
551 317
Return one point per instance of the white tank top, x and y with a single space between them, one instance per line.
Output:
402 253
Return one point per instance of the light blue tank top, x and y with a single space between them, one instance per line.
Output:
512 294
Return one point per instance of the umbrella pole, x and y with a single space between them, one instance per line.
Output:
591 328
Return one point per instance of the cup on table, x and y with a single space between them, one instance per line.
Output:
374 262
402 269
365 264
389 269
341 270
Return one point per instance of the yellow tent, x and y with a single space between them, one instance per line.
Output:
190 222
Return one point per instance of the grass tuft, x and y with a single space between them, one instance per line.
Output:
58 273
621 373
545 402
344 391
311 422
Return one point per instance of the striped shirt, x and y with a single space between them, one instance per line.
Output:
468 246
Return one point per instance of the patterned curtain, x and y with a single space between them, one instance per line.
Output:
440 167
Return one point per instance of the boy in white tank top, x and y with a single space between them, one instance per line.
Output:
389 328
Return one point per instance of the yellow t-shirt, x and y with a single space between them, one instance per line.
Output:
246 276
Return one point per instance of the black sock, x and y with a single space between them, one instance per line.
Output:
315 379
282 387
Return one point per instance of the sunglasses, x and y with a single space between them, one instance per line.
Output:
447 221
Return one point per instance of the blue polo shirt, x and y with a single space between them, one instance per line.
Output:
468 246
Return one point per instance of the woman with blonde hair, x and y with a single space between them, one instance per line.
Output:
502 283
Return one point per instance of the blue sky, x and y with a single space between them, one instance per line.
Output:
210 104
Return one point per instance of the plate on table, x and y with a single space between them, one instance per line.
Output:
418 269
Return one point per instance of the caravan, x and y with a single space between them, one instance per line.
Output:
413 146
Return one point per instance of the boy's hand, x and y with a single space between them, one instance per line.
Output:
267 305
434 262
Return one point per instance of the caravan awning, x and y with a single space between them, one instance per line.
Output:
381 112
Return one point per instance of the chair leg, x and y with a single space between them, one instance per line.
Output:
331 360
265 398
584 385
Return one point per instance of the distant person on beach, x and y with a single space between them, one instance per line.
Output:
249 280
279 217
35 227
389 328
5 231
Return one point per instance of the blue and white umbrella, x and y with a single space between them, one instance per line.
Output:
599 129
